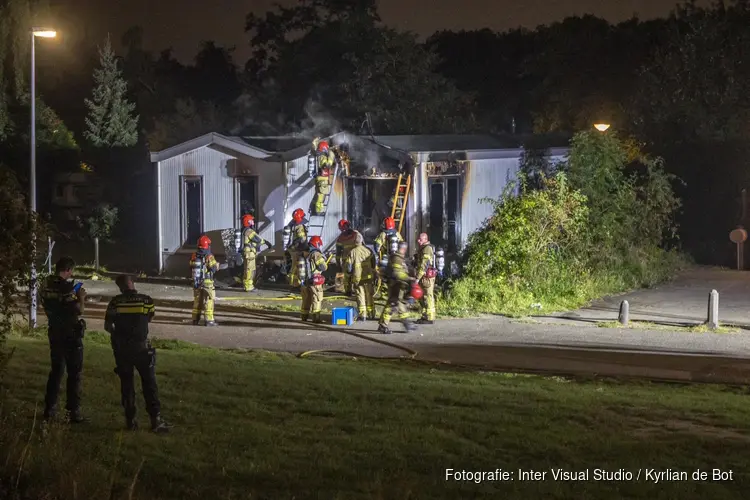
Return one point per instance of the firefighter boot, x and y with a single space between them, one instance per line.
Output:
211 323
425 321
362 317
158 425
196 322
316 318
410 326
384 330
305 317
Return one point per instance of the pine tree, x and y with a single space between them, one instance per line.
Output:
111 122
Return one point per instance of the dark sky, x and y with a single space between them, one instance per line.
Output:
182 24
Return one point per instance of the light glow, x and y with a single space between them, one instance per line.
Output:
601 127
44 33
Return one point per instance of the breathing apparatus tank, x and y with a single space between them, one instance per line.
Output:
393 243
302 267
312 164
287 236
440 261
196 268
238 240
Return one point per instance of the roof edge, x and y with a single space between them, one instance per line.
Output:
207 140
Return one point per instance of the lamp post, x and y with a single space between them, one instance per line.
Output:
43 33
601 127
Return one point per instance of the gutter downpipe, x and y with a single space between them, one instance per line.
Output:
285 174
158 216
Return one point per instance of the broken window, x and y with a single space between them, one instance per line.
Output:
192 209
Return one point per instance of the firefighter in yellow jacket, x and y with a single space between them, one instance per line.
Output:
424 263
204 265
399 281
326 164
296 244
387 241
251 243
361 263
344 245
312 288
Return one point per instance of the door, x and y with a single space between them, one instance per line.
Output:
445 213
192 210
247 196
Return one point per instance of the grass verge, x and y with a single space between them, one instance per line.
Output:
262 425
647 325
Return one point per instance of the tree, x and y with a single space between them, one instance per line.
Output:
190 119
336 56
18 227
111 122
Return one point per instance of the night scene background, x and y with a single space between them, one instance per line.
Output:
577 167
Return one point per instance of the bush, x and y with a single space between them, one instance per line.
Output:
597 226
18 250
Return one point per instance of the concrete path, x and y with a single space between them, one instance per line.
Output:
557 343
683 301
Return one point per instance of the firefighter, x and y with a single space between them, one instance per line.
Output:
251 243
326 162
345 243
204 265
361 263
127 319
399 281
424 263
312 289
296 244
63 302
388 239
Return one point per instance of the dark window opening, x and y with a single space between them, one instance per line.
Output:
192 212
248 196
452 214
436 214
369 202
60 191
445 213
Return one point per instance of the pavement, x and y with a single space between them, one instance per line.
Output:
569 343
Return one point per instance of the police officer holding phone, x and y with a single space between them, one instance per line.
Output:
63 302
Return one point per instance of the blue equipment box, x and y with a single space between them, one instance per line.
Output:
343 316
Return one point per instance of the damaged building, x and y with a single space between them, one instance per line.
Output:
206 184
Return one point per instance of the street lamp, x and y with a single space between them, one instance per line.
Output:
42 33
601 127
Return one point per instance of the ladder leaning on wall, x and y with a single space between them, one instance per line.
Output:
400 199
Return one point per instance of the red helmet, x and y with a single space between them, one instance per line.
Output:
204 242
344 225
316 242
323 146
298 215
416 291
248 220
389 223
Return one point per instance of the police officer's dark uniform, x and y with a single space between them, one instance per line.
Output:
127 319
65 329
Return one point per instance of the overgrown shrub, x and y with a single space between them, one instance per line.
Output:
18 249
597 226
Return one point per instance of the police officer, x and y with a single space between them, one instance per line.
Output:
361 263
63 303
344 245
312 288
203 265
424 262
399 281
296 244
127 319
251 243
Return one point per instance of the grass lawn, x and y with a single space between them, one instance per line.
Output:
261 425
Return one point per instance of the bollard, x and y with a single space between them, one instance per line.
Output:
713 310
96 254
624 316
